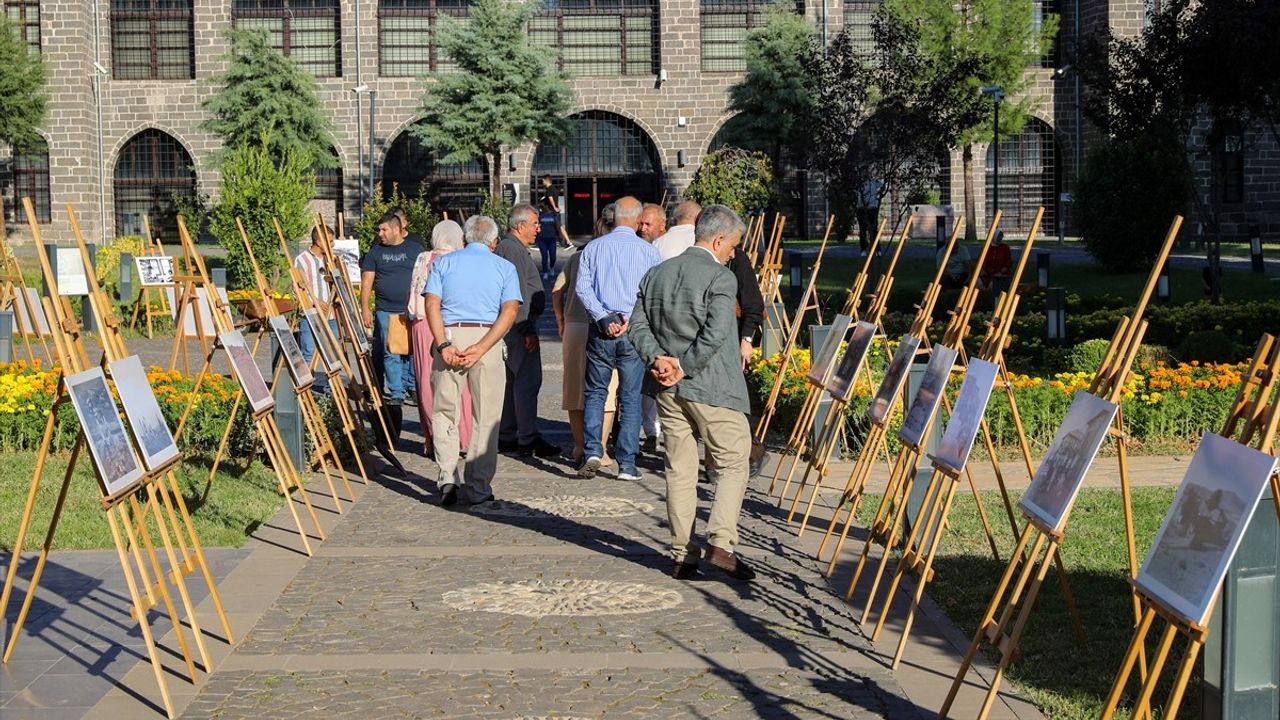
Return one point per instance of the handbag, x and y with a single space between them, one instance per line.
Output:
398 342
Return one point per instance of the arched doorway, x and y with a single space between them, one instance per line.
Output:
1029 178
151 169
411 166
605 157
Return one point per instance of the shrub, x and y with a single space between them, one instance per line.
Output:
421 217
1129 192
1087 356
107 264
1212 346
735 177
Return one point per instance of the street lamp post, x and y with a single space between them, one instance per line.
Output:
997 96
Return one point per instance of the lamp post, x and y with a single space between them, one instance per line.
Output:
360 90
997 96
1056 315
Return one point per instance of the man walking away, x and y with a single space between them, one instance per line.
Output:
548 238
472 299
385 272
608 279
680 237
684 328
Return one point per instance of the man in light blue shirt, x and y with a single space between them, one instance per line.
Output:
472 298
608 279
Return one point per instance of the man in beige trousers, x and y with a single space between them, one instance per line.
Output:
472 298
685 330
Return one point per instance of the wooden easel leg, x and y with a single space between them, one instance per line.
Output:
1143 707
800 444
1126 499
916 542
1126 668
222 445
292 473
895 529
855 485
142 532
1069 597
174 497
1015 635
1180 680
348 424
284 479
330 446
161 527
28 509
923 581
817 462
315 425
897 514
140 611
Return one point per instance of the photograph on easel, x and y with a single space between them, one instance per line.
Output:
842 380
821 362
247 372
71 277
349 306
143 412
925 403
1200 535
966 416
25 325
347 250
324 340
154 270
118 467
894 377
299 369
1057 481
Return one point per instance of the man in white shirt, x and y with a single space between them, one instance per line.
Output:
680 237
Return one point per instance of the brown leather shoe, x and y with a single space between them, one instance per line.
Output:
729 563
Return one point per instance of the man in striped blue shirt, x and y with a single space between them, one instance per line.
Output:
608 280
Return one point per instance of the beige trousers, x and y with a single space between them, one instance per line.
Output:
487 380
728 439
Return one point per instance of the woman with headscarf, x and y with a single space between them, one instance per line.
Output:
445 238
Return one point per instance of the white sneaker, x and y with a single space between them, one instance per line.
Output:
629 475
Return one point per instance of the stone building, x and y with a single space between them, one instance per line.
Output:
650 79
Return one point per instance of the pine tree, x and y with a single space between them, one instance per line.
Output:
22 95
504 93
265 94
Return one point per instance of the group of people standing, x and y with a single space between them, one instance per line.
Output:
657 325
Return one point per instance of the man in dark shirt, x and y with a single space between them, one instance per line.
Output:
385 272
519 428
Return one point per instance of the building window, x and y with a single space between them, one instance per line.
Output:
1040 11
725 24
25 16
1227 169
600 37
329 182
309 31
152 40
30 178
152 168
858 15
1028 178
407 35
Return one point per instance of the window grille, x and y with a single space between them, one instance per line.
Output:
309 31
408 32
30 178
25 17
152 40
151 169
1028 178
600 37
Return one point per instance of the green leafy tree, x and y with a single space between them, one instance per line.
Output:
994 41
23 101
505 91
256 187
265 94
739 178
774 99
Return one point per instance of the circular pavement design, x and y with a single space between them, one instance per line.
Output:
564 506
540 598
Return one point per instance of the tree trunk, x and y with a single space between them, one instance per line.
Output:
495 174
970 209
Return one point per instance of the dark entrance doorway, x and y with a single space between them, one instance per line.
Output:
606 157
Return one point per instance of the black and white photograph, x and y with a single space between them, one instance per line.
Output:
894 376
1201 533
820 363
247 372
144 414
348 251
348 305
71 277
966 415
299 370
154 270
855 353
326 343
1057 481
118 467
924 405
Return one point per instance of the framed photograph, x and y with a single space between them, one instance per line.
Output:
154 270
842 379
247 372
1203 529
326 343
200 308
29 326
143 412
894 377
299 368
966 416
820 367
348 251
348 305
1057 481
118 467
924 406
71 277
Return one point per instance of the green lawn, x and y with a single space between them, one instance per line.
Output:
238 504
1066 680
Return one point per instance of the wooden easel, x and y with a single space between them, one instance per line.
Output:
1108 384
187 300
1252 422
16 298
264 422
123 507
310 411
770 278
833 426
818 377
926 529
152 248
807 301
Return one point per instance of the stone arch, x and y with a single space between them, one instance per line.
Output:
411 166
147 170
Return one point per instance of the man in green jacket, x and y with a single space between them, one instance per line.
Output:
684 328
